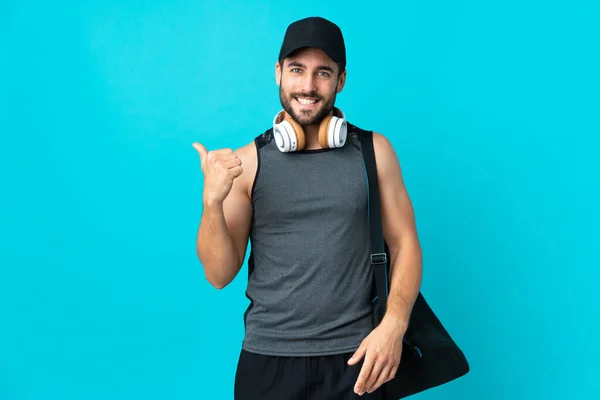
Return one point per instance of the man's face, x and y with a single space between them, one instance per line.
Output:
308 84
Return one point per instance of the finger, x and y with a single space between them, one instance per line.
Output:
384 376
393 372
224 152
236 171
217 158
377 369
201 151
234 162
365 372
358 354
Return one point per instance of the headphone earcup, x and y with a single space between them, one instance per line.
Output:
337 132
285 137
324 132
288 135
333 132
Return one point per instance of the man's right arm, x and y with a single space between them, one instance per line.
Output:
224 229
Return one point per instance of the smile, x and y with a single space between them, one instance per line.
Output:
306 101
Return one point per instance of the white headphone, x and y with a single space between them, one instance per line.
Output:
289 135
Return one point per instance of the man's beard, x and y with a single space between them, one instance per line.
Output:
305 118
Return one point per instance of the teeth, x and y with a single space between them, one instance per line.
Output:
306 101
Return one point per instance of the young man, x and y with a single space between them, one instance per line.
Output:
299 192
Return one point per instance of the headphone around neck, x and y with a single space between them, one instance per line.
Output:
289 135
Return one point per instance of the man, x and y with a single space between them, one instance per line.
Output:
308 328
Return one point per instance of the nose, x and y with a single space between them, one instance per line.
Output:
308 83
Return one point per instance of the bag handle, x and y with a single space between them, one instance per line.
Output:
379 253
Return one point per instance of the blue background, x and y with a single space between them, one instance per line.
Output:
492 107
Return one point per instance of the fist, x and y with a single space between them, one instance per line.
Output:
220 168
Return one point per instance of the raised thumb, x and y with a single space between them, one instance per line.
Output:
201 150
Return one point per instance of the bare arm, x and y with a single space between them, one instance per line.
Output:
400 234
382 348
225 226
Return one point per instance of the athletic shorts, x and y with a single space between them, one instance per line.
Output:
261 377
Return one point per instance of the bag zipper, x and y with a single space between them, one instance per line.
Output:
413 346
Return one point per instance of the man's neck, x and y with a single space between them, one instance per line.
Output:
311 136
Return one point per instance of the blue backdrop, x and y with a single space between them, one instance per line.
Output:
492 108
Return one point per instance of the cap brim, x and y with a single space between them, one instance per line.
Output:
332 54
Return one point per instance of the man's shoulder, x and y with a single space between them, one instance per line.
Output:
382 146
263 138
379 140
355 129
247 150
247 154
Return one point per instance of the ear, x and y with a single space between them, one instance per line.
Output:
341 81
278 72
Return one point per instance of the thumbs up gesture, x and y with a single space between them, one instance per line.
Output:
220 168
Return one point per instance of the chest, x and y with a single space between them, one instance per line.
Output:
320 187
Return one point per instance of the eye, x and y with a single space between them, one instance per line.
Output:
324 73
295 70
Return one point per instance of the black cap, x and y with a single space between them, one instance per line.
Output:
316 32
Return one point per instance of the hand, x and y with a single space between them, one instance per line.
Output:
382 350
220 168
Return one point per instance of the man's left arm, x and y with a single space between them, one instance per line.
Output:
382 348
400 233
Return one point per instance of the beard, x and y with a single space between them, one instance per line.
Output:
307 117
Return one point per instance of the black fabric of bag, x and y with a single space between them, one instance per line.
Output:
430 357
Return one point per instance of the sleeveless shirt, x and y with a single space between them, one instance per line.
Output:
309 272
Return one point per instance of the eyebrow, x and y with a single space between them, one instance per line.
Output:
320 67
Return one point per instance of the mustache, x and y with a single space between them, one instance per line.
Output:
312 95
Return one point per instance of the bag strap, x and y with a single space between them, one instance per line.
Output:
379 257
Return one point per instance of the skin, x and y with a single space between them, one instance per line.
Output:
224 230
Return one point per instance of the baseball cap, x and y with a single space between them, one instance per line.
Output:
316 32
